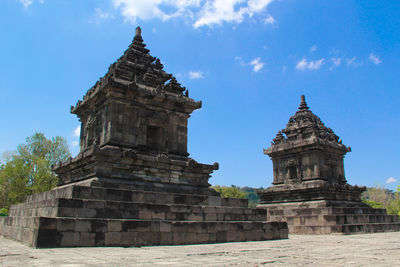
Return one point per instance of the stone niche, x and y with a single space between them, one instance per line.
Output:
133 182
310 191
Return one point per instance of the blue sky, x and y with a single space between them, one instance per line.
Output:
247 60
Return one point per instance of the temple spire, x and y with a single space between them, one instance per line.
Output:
303 104
138 40
138 31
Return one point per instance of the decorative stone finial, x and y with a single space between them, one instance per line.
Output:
303 104
138 31
138 40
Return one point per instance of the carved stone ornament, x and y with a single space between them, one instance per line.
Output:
291 162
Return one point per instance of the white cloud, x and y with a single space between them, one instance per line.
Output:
269 20
200 12
374 59
257 64
215 12
150 9
313 48
302 64
26 3
77 131
336 61
240 60
100 15
74 143
195 75
391 180
310 65
351 61
218 11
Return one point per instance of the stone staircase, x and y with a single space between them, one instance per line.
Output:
330 216
79 215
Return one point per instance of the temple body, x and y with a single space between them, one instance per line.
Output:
134 127
310 153
310 190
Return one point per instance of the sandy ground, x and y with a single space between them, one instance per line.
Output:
382 249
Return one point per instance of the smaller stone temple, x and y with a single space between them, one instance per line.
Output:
310 191
133 182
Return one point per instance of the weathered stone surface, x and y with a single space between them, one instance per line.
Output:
380 249
310 191
133 183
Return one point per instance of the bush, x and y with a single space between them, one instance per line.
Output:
3 212
373 204
229 192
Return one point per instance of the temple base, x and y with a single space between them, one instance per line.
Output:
95 213
326 210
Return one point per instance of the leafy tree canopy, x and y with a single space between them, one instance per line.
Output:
379 197
239 192
28 169
229 191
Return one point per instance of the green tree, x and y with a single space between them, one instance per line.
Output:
394 206
28 170
231 192
377 194
251 195
378 197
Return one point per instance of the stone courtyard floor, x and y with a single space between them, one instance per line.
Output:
382 249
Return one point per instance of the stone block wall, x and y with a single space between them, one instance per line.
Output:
77 215
327 217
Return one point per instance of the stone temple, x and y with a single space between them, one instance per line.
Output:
310 191
133 182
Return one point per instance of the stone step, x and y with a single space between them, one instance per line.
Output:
318 204
344 229
20 229
334 219
370 227
150 186
72 232
84 208
84 192
295 211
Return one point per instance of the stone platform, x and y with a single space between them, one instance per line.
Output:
328 217
79 215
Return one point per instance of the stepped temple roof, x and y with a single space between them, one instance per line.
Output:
136 69
304 125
